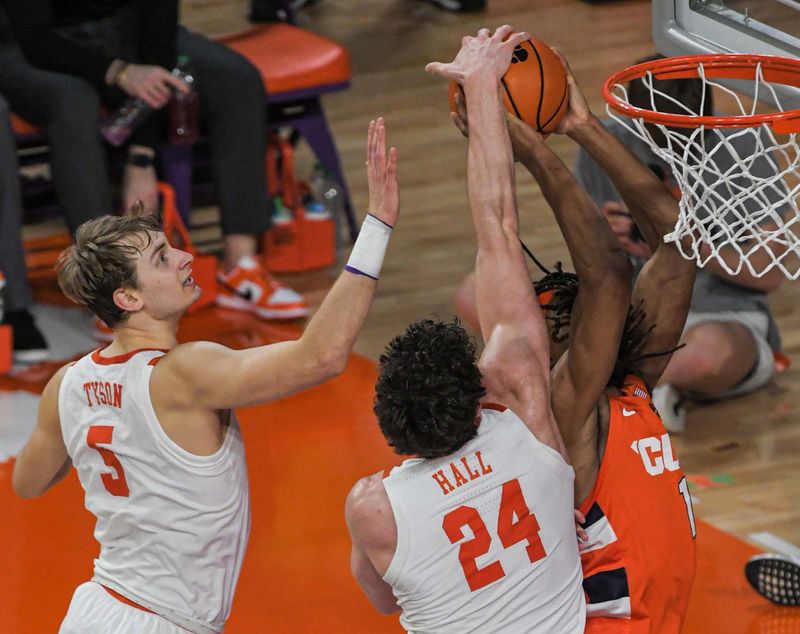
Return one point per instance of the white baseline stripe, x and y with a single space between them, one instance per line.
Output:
776 544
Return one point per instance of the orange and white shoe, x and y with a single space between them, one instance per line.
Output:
249 287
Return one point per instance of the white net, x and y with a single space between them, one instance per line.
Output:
740 186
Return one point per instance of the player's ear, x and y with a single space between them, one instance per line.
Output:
128 299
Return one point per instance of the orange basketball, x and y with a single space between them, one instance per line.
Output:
534 87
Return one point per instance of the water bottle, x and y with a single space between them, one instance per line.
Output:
118 126
326 195
184 108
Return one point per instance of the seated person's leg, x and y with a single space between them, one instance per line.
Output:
69 109
29 345
725 357
731 356
232 104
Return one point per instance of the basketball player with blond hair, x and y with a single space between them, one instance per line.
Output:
148 423
608 349
476 533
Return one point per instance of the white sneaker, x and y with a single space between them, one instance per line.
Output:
251 288
669 404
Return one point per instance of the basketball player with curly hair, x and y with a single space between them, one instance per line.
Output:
608 347
475 533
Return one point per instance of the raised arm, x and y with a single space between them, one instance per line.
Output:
516 360
601 306
664 287
211 376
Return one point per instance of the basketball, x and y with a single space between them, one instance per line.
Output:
534 87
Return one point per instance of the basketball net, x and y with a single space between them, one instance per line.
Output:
739 179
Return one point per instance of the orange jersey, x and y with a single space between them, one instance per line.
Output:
639 563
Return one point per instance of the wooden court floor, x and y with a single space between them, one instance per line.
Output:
305 453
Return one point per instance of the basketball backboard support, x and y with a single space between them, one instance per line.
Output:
698 27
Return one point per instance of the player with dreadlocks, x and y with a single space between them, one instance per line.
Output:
608 346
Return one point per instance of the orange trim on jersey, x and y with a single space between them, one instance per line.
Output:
125 600
629 385
155 360
495 406
121 358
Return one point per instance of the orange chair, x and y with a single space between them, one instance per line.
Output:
297 67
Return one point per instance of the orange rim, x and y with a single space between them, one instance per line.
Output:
774 69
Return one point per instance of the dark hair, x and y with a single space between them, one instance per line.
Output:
689 92
428 390
102 260
559 311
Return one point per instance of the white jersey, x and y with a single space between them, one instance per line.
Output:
172 525
486 536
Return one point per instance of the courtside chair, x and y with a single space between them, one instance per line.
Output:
298 67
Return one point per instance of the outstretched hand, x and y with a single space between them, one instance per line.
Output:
384 195
487 55
578 112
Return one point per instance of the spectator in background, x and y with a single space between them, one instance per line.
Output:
730 335
67 108
116 49
29 344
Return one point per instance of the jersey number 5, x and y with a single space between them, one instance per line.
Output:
515 524
102 434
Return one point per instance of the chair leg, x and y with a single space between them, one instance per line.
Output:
176 164
315 131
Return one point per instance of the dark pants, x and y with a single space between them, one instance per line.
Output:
12 261
68 108
232 107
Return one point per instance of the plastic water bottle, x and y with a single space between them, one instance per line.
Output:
118 126
184 108
326 195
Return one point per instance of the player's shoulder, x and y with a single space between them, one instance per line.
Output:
54 384
368 510
188 358
367 492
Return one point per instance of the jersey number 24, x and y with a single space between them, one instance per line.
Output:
515 524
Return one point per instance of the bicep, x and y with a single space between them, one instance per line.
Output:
515 379
507 308
663 292
213 376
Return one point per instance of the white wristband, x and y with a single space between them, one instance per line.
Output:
369 250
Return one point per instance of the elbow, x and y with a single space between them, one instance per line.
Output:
332 363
